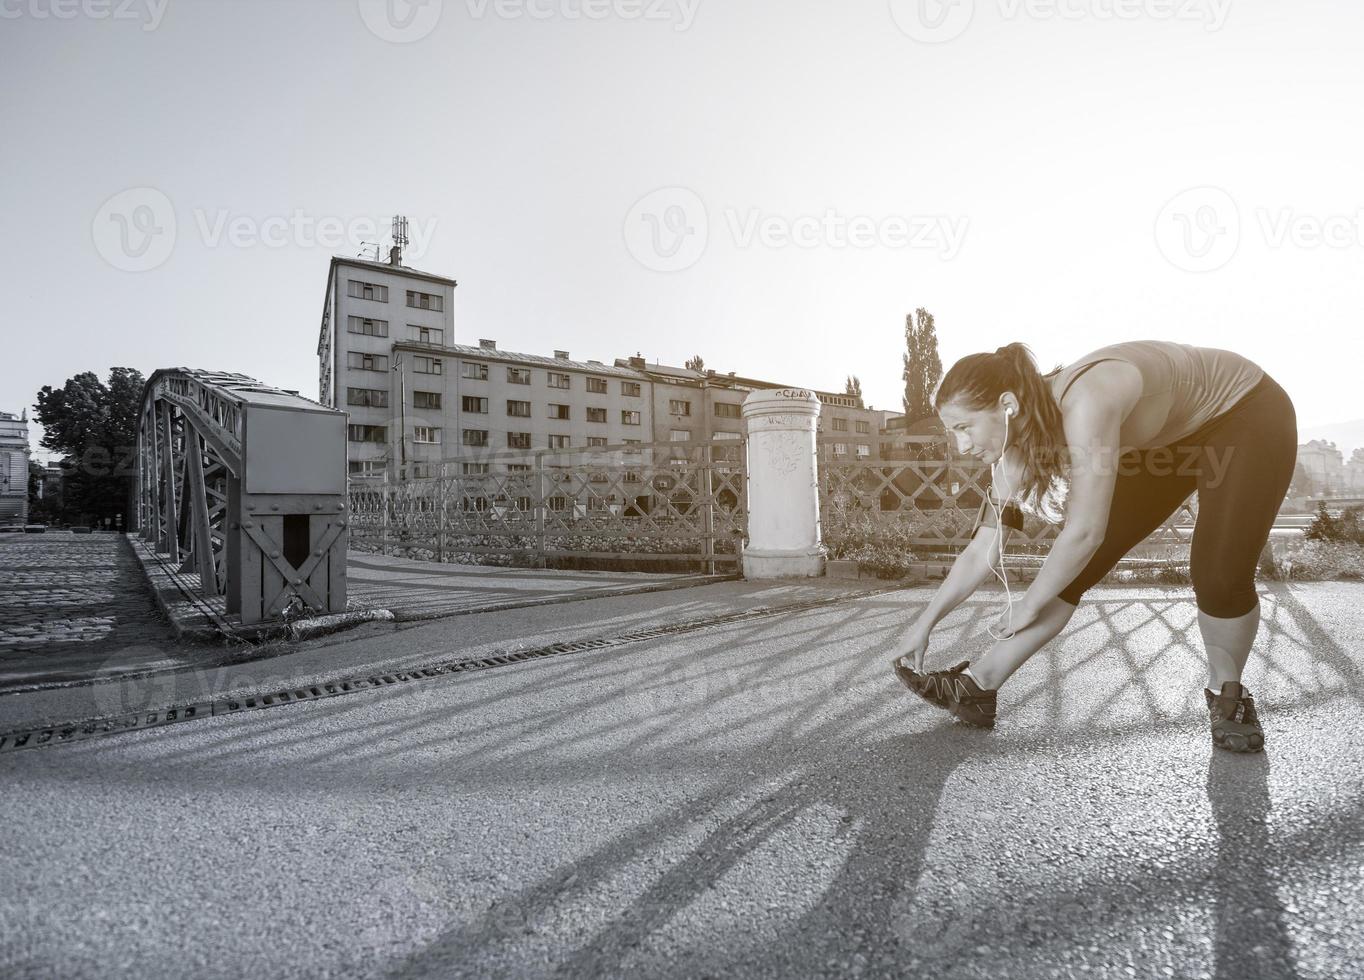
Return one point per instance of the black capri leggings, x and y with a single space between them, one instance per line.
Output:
1241 463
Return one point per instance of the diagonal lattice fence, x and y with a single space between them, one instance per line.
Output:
927 499
665 502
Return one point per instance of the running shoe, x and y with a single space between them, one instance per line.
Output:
953 691
1235 725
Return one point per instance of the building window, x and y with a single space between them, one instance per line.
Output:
840 449
678 406
557 380
519 467
366 326
475 371
425 301
630 388
358 361
426 365
518 376
630 477
596 440
426 335
367 397
863 427
863 451
596 415
558 502
558 442
426 435
629 418
680 435
596 386
365 467
474 437
518 410
727 410
839 425
367 290
426 399
474 469
518 440
631 442
474 404
558 411
367 433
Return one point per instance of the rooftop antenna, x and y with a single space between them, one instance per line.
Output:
395 254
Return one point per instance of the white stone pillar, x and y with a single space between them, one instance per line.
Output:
783 492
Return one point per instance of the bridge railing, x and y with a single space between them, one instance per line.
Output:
928 498
244 485
661 502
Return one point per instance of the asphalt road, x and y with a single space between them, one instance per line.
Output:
757 800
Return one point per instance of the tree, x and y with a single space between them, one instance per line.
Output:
922 368
94 426
694 363
853 386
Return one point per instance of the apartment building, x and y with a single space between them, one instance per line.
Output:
14 454
1324 464
369 309
707 406
388 356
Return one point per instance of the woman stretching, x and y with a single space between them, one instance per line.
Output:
1124 435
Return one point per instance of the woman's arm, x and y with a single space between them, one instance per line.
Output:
969 571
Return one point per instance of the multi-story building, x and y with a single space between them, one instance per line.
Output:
707 406
370 308
1324 464
387 355
14 454
1354 472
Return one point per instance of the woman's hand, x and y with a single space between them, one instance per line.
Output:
911 647
1015 618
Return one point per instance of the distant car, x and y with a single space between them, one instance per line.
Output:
35 528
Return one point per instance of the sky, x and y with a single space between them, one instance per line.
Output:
771 184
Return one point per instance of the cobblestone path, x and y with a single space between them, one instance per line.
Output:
73 604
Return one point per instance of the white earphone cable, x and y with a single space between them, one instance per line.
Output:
999 536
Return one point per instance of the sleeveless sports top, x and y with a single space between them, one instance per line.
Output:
1192 385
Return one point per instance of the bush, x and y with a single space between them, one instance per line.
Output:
1316 560
1347 528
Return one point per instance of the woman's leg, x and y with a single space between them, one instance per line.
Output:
1144 495
1245 468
